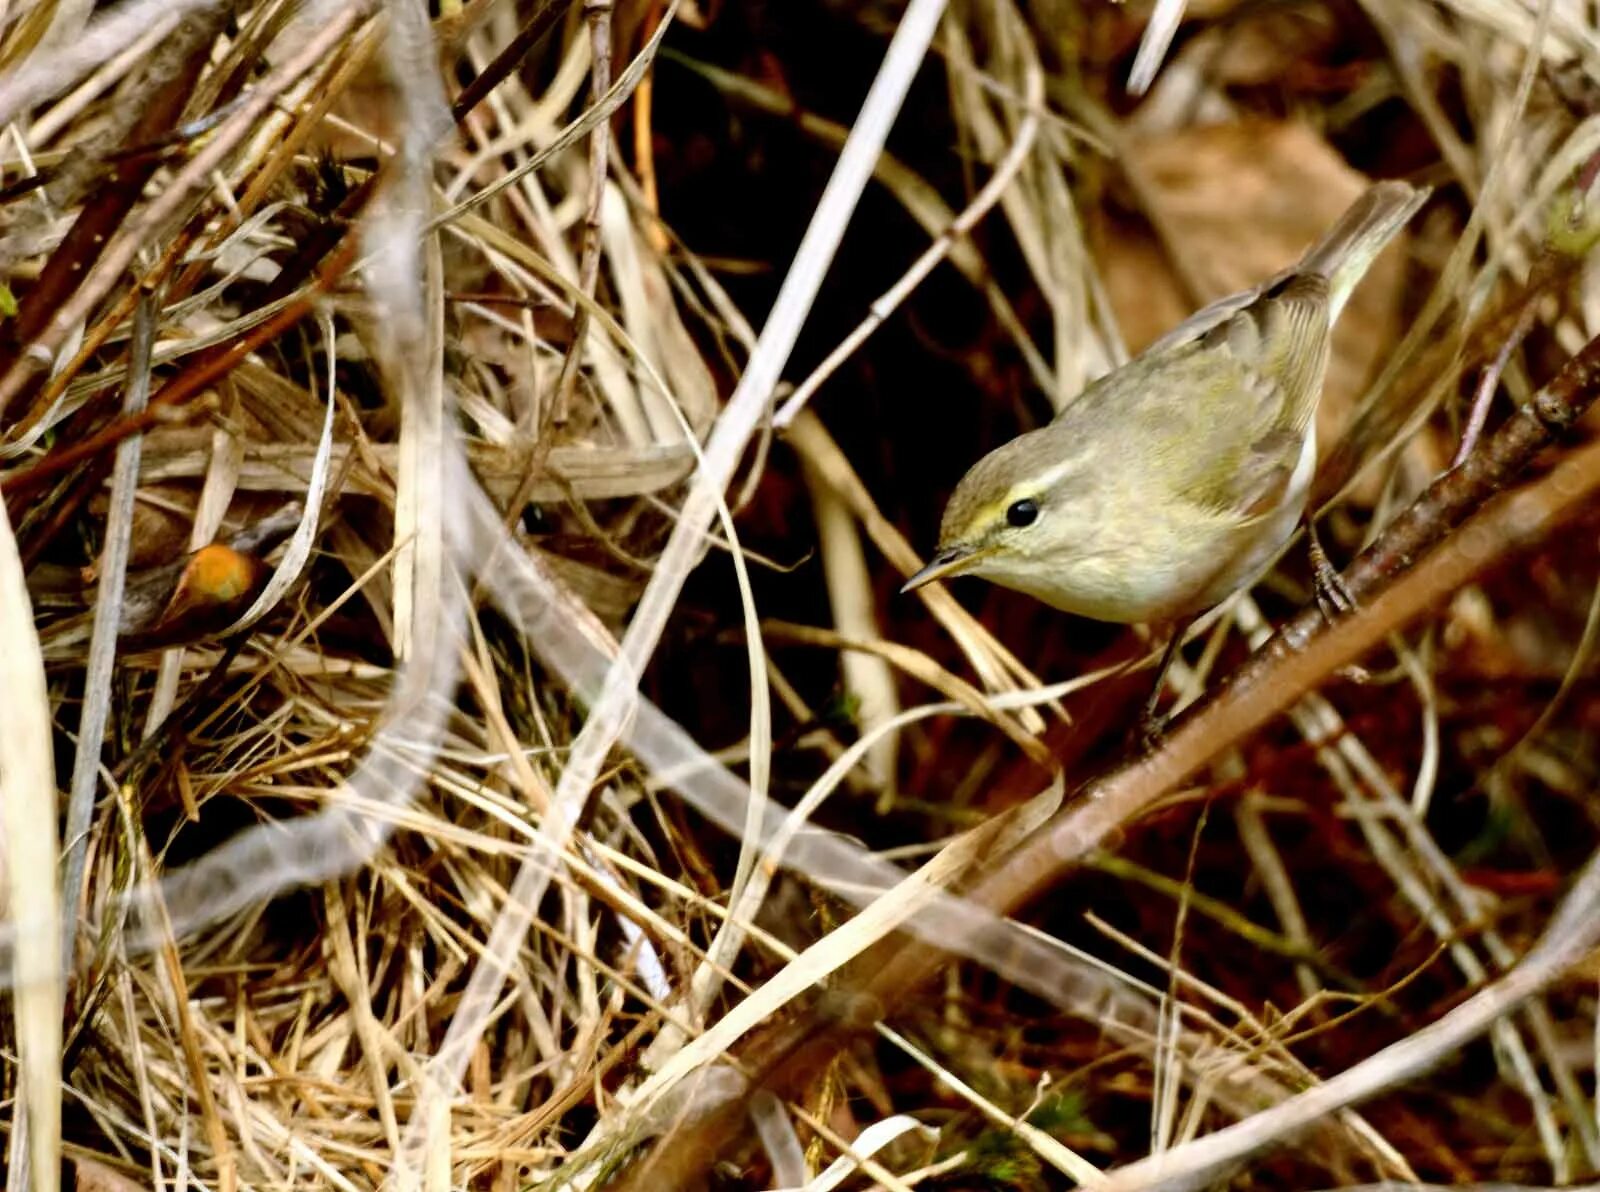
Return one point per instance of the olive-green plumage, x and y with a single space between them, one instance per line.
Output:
1173 481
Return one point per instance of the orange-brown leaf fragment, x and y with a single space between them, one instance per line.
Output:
194 598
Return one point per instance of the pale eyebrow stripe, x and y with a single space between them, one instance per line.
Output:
1036 488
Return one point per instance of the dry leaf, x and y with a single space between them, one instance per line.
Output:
97 1177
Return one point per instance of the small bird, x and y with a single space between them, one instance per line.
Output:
1173 481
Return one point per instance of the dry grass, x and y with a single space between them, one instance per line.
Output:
455 596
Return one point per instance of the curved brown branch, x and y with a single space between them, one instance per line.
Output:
1395 588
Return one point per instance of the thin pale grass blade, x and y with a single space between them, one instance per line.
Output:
778 1138
850 595
943 246
28 854
996 666
1065 1160
750 880
1153 46
868 1143
216 494
915 664
298 552
620 90
348 969
107 621
652 323
1041 210
693 387
748 888
533 120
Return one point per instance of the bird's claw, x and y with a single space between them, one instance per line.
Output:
1333 595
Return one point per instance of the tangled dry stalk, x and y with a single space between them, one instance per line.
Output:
425 763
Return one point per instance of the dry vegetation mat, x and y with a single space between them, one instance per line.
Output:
458 723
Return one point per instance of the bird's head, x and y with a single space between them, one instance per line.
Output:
1011 511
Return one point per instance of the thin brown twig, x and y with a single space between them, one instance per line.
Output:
598 13
546 16
1489 383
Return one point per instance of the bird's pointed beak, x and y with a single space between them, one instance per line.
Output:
950 561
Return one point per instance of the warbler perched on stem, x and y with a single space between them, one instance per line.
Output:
1170 483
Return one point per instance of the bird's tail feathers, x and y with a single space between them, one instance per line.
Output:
1347 250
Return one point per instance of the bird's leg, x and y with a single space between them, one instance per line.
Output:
1151 725
1333 596
1327 585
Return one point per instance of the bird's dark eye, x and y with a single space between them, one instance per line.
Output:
1022 513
